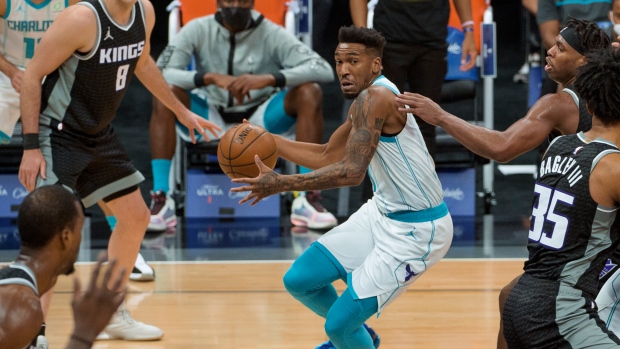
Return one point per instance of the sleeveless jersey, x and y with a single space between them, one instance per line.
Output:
585 119
570 235
17 274
401 171
23 26
86 90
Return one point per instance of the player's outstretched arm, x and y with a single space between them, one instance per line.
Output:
366 124
522 136
75 29
93 308
313 155
150 75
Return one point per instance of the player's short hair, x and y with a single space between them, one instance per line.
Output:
46 212
372 39
597 83
591 36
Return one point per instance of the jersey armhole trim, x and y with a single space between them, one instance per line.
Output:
95 48
572 94
601 155
143 16
8 9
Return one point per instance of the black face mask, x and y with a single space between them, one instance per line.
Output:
236 17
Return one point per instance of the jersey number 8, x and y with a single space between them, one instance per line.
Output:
121 77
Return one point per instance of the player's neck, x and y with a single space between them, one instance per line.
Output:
120 11
41 267
609 133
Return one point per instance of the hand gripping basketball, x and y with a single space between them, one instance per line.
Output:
237 147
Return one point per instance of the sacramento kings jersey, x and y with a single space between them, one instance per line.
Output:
570 235
17 274
401 171
585 119
23 26
86 90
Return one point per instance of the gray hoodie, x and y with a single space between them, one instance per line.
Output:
263 48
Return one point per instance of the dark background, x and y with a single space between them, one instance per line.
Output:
513 193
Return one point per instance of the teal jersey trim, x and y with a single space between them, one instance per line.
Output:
580 2
39 6
428 215
8 10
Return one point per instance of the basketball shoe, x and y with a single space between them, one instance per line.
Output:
123 326
142 271
163 213
376 340
307 211
41 342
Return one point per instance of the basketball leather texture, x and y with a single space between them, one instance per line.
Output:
237 147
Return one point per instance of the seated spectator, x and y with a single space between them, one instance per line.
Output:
247 67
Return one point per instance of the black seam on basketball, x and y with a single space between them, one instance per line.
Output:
252 163
249 144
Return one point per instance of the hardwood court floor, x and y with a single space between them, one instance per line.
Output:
244 305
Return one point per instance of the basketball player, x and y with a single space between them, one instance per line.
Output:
552 115
394 237
89 55
50 221
574 225
24 23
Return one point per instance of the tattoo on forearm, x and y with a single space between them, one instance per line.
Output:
360 148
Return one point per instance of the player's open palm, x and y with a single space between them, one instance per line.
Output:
194 122
421 106
264 185
32 165
93 308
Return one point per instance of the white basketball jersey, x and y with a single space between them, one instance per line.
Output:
23 25
402 172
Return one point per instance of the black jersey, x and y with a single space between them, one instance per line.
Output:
585 119
86 90
570 235
16 274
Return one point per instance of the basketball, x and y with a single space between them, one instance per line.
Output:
237 147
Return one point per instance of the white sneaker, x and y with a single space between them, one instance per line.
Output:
142 271
163 212
307 211
41 342
123 326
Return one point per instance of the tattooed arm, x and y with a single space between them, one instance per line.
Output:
367 119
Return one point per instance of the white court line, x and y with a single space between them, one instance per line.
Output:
291 261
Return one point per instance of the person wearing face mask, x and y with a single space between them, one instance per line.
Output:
247 67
